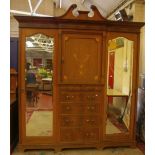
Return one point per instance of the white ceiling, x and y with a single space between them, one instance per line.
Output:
45 7
104 6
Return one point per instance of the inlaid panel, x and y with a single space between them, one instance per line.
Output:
78 53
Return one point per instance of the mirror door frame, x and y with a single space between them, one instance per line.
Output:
26 32
131 134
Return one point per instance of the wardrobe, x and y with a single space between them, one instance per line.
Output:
77 81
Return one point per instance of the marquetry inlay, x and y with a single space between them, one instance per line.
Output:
96 78
65 77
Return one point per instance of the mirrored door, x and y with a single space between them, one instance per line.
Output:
39 51
119 85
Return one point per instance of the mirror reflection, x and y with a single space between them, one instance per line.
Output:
119 84
39 85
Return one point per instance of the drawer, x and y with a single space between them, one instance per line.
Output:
80 96
76 121
91 121
70 135
79 135
79 108
90 135
71 121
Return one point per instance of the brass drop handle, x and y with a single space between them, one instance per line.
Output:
88 97
67 97
68 108
92 108
92 134
88 108
66 120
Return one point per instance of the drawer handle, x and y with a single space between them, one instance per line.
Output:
66 121
90 134
90 121
69 97
68 108
91 108
88 97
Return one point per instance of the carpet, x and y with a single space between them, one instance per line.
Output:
111 128
40 124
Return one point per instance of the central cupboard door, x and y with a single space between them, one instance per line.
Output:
81 57
38 85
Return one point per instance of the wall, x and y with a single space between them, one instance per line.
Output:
14 32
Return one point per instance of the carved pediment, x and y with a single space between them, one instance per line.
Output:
74 13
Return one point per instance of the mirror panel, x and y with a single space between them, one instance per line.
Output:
119 85
39 85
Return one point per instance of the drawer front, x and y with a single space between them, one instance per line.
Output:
78 94
82 121
70 135
79 135
79 108
71 121
81 97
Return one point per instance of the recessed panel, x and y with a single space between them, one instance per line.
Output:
81 58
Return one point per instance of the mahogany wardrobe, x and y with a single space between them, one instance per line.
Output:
77 81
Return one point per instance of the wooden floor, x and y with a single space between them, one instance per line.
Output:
109 151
